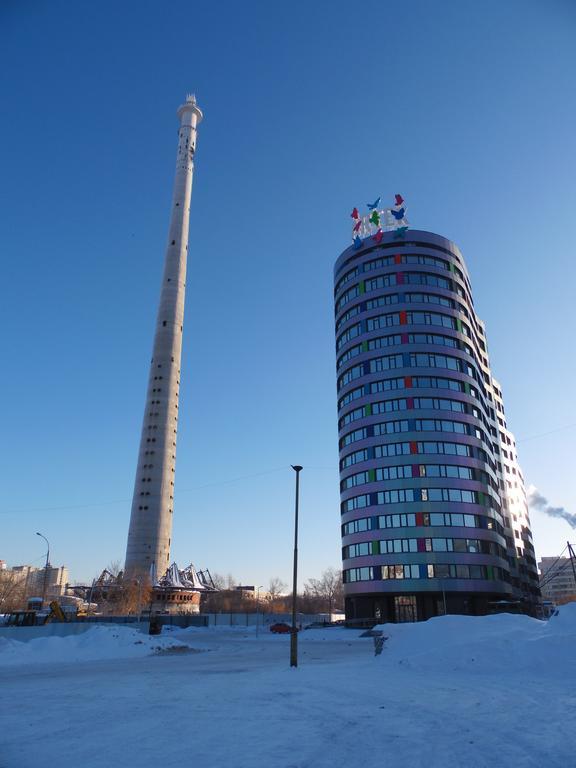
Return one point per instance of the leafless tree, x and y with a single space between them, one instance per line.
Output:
327 590
12 591
219 580
114 568
276 595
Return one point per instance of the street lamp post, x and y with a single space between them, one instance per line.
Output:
257 607
294 632
46 567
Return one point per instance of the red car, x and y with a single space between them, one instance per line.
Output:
281 628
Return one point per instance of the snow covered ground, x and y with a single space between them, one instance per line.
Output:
454 691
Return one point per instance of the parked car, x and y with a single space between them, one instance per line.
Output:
281 628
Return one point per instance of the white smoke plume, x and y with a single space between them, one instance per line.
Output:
537 501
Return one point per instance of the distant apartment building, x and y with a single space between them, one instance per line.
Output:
33 580
557 580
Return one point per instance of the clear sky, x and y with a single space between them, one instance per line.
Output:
466 108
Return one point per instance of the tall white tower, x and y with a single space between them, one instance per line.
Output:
149 536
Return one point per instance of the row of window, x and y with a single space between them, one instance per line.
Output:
407 360
427 246
397 246
398 278
432 447
396 546
411 298
403 471
413 425
399 298
376 365
424 382
396 339
436 571
389 261
392 319
409 404
408 495
408 382
422 520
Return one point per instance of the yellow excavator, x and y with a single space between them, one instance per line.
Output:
31 618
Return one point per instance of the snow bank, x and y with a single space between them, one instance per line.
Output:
486 643
95 644
564 622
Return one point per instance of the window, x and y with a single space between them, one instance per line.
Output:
386 385
382 301
384 341
348 335
431 318
357 413
352 437
378 364
393 473
354 458
428 360
392 449
346 278
440 404
352 395
352 352
426 278
386 261
429 298
383 321
434 338
390 427
397 496
347 296
347 315
356 502
387 406
350 375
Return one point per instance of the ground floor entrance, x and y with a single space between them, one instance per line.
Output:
417 607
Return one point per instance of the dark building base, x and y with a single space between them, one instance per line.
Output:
367 609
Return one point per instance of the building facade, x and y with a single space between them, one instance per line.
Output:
517 531
558 579
426 508
34 581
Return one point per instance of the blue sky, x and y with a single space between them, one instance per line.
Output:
465 108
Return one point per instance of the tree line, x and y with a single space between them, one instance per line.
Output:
322 595
128 596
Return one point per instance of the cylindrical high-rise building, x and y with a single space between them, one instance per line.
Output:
149 537
423 524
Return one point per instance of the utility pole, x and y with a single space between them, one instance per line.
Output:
294 632
45 567
572 559
257 608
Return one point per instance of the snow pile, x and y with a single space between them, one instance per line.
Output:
95 644
455 691
483 644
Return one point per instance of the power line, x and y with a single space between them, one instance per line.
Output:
544 434
550 573
126 501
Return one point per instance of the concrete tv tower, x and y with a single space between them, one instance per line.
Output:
148 548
